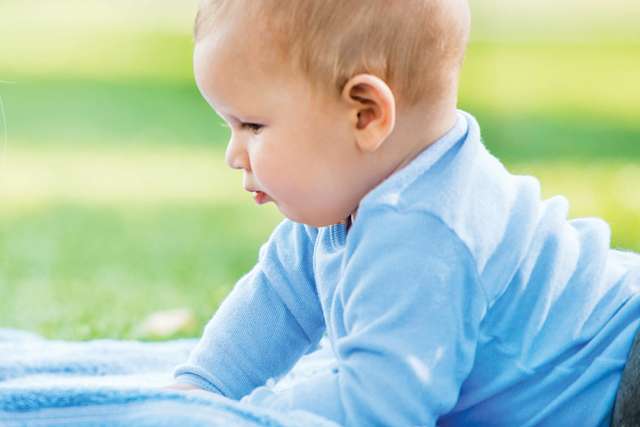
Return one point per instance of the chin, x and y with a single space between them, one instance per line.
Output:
311 220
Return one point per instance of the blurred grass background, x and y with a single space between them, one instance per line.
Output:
114 198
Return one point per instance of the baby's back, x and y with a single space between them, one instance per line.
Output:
554 342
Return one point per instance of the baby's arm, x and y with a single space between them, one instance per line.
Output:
407 321
269 320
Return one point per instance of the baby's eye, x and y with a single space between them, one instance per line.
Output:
253 127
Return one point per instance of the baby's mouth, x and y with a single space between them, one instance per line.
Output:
261 197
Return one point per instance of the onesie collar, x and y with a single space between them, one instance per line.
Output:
403 177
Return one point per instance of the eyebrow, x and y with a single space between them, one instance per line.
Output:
233 117
247 119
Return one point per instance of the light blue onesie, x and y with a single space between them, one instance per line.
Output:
457 298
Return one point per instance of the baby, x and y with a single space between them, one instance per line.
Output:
451 294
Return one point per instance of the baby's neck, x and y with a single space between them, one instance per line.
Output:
416 131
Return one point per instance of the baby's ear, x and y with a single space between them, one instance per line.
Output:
372 110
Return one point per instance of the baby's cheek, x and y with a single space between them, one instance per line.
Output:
289 185
272 178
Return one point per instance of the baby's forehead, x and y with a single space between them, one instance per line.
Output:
235 59
246 34
234 78
251 40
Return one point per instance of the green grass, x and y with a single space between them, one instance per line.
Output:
94 240
82 271
129 112
116 202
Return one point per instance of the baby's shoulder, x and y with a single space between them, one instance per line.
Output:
471 196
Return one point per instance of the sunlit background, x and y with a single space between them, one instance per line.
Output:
115 202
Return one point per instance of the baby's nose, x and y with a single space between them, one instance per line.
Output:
236 155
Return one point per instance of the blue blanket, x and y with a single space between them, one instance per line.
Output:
117 383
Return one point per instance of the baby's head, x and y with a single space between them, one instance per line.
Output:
326 98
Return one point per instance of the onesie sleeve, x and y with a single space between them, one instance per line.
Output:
411 308
268 321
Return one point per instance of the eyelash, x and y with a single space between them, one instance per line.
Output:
255 128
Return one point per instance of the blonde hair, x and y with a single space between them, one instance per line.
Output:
415 46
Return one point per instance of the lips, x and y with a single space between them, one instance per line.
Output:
261 197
